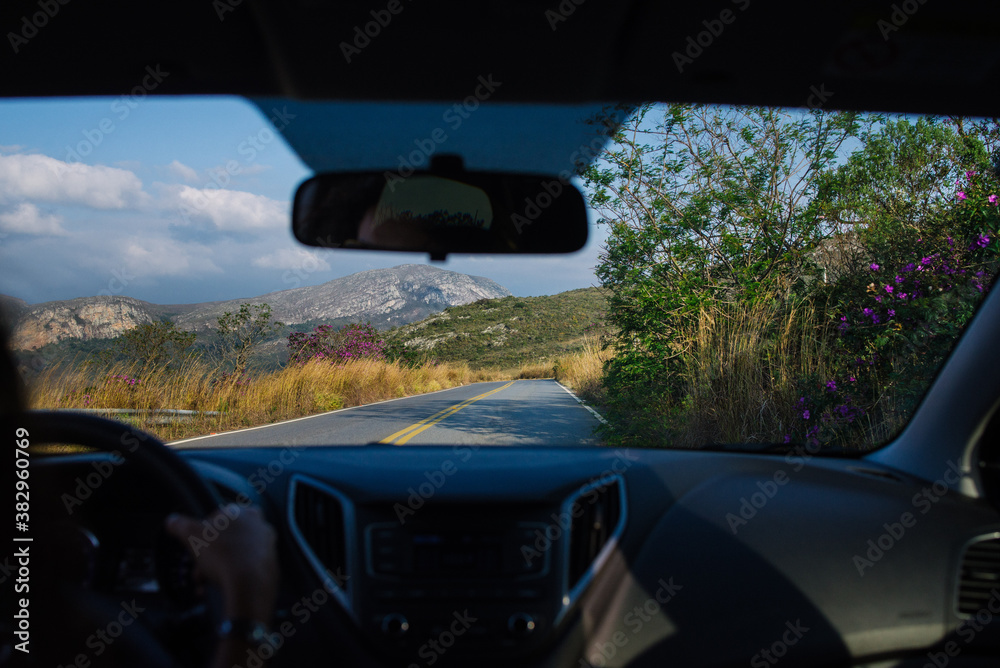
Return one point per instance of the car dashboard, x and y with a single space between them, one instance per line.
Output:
589 556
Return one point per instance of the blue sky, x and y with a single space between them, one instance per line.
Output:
92 193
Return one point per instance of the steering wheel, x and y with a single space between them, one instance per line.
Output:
167 473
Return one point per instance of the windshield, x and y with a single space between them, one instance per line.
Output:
754 277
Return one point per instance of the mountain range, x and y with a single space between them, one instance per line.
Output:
384 297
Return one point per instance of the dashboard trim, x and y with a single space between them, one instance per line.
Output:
343 595
572 595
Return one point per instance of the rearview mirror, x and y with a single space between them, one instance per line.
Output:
440 211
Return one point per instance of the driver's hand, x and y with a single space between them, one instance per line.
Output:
241 558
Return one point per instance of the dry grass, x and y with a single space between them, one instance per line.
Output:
582 372
743 364
742 370
536 370
288 393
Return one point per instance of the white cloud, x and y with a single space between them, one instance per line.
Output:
11 148
230 210
297 259
25 218
166 257
41 178
180 170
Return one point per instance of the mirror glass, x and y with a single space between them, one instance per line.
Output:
457 212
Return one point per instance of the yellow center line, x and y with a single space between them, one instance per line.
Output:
405 435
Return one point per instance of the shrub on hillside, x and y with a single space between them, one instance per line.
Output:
350 342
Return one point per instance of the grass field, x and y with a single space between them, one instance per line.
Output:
269 397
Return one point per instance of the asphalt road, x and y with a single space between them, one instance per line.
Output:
522 412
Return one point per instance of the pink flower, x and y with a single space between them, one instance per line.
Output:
994 200
961 195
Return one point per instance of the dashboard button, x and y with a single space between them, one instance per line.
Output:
395 625
521 624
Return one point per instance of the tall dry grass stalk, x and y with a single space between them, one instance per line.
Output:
583 371
291 392
741 373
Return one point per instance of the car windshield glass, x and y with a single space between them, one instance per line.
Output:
755 278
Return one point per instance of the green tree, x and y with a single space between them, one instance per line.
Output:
923 196
157 344
900 186
705 203
241 332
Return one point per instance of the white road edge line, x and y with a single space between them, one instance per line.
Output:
309 417
580 401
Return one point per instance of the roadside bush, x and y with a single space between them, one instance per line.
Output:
350 342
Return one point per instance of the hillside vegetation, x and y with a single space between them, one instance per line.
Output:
331 367
788 276
238 402
505 333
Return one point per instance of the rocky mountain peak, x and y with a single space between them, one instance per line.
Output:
384 297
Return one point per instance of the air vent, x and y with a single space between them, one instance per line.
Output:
597 516
319 519
979 576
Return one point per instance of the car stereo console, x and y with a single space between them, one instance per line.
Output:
468 580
